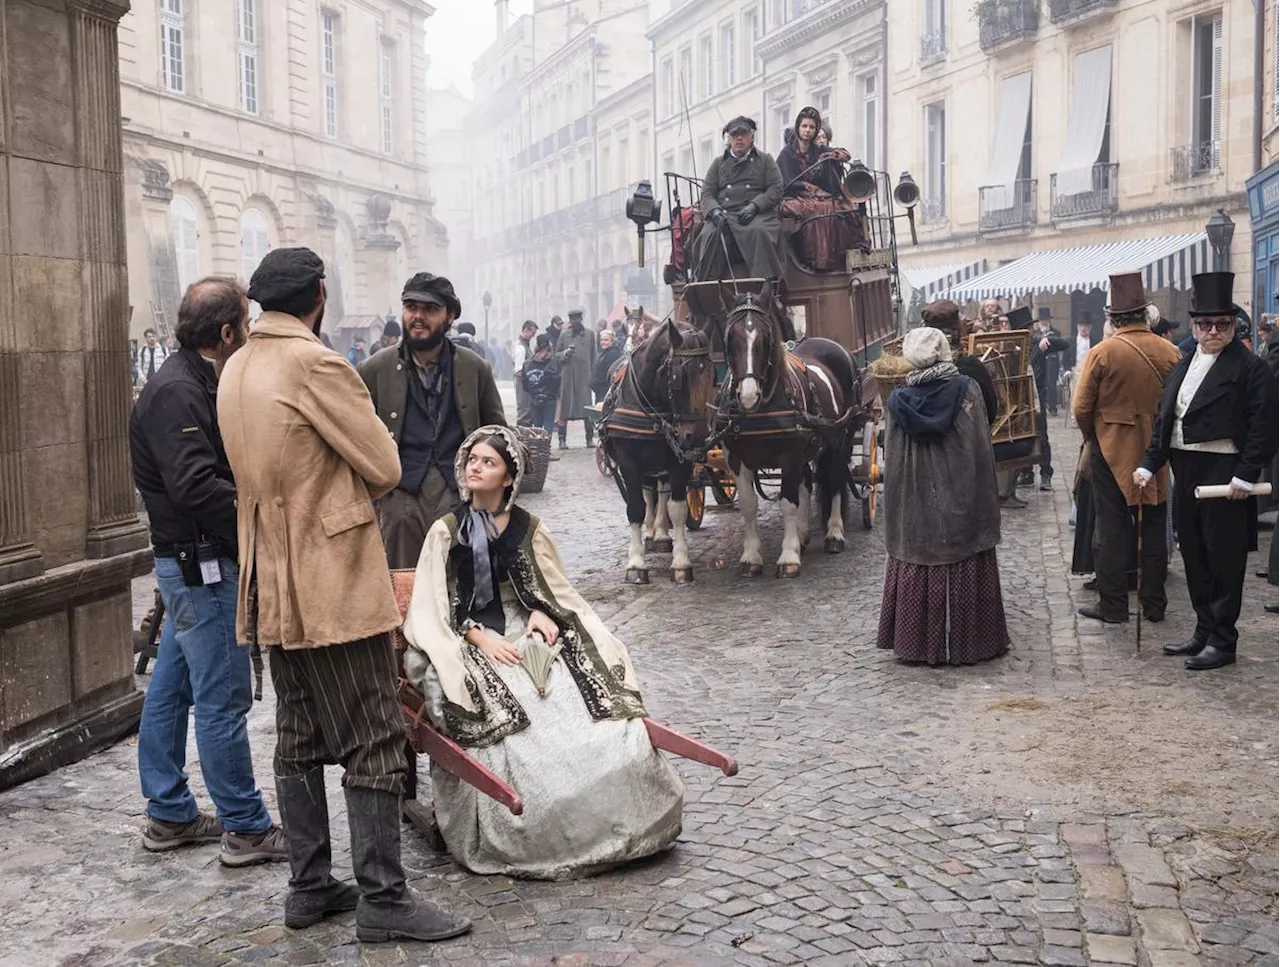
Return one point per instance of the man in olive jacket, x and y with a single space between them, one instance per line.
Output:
430 394
309 457
740 197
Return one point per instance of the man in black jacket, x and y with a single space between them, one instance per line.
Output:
1044 344
181 470
1216 425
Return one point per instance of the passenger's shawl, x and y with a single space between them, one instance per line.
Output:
476 708
940 498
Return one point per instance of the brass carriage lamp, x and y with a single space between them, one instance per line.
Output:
643 209
907 194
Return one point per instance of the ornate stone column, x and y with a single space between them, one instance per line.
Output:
113 520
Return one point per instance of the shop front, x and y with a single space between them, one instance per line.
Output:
1264 203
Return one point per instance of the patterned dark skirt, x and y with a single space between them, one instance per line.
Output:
949 614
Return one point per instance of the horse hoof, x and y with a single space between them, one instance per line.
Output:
749 570
833 545
637 575
788 570
663 545
682 575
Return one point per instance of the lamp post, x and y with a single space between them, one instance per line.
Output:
1221 229
487 299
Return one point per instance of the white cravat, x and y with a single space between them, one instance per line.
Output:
1082 349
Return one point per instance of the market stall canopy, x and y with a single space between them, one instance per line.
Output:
933 279
1166 261
361 322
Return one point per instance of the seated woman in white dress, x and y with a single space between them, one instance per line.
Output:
518 669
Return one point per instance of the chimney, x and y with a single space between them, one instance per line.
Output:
503 10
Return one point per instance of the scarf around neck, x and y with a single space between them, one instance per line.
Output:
926 408
477 529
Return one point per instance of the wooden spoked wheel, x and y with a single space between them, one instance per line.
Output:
696 495
724 489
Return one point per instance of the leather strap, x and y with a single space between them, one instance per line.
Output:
1145 358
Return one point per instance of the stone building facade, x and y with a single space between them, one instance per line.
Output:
70 539
255 125
1039 126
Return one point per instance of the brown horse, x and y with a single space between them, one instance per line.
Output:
654 427
786 411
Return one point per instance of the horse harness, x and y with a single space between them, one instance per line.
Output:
650 421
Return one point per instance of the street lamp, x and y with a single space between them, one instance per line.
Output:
1221 229
487 299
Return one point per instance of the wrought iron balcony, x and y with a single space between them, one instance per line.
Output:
1003 22
1069 11
1197 160
1001 207
933 210
933 47
1100 199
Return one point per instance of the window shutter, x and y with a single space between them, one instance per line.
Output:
930 20
1216 132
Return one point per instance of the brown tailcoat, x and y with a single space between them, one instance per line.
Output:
1117 398
310 456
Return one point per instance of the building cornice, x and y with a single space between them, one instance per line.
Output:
584 38
813 24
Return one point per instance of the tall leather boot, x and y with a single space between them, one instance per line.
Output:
388 910
304 813
590 430
564 436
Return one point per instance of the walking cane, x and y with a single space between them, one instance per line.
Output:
1137 648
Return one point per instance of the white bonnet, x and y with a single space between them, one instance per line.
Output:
923 347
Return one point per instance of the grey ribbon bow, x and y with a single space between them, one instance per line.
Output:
478 528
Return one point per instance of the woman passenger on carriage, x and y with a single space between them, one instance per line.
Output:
517 667
942 600
814 197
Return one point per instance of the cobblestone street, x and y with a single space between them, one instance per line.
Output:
1067 804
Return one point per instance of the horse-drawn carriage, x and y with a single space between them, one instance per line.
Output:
796 346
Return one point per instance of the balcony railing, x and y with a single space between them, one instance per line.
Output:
933 210
933 46
1100 199
1007 21
1001 207
1196 160
1066 11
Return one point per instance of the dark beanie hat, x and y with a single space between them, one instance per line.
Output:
542 342
283 273
432 290
391 330
466 329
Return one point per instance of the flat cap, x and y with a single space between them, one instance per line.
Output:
283 273
740 125
432 290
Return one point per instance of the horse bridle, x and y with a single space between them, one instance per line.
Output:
668 426
752 310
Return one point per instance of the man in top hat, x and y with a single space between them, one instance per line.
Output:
430 395
1115 407
740 197
1052 360
1043 346
1216 425
576 356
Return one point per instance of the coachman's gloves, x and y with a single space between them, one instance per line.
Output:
748 212
717 217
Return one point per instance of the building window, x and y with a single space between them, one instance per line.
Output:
685 71
687 162
870 87
247 49
329 71
822 101
935 161
750 34
185 225
1206 92
706 67
624 159
933 40
727 55
384 91
255 241
779 13
782 119
668 88
172 27
706 149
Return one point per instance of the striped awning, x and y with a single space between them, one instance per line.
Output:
1165 261
931 280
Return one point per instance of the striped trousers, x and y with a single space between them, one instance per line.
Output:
337 705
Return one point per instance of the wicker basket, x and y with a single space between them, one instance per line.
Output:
538 443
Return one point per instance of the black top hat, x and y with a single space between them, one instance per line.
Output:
1019 318
1044 313
1211 294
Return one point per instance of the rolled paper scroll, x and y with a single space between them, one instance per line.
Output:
1222 490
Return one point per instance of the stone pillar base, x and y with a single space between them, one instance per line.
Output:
20 562
118 537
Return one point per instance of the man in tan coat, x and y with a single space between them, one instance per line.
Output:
1116 401
310 456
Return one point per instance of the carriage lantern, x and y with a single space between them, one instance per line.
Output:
907 194
643 209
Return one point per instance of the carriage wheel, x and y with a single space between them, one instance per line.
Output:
602 460
696 495
724 489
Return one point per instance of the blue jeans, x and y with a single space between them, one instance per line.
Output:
198 662
544 415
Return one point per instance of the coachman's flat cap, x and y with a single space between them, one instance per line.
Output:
284 272
432 290
740 125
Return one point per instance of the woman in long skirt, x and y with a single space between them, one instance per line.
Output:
942 601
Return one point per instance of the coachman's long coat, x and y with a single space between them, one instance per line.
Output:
731 183
575 372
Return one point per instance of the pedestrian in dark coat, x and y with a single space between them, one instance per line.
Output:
610 353
576 354
1216 426
1043 345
